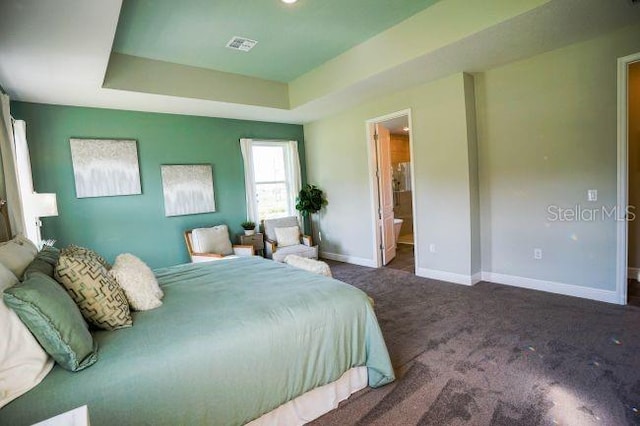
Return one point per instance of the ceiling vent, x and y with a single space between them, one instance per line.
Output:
241 43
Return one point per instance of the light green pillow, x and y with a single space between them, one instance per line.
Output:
54 319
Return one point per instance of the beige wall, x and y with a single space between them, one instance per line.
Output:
634 162
338 161
546 131
399 147
547 134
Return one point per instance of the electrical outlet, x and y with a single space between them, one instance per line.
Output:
432 248
537 254
592 195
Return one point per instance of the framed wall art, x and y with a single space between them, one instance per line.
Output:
105 167
188 189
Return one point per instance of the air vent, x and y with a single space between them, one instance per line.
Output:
241 43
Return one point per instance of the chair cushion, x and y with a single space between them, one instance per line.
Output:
288 236
299 250
23 362
212 240
270 225
54 319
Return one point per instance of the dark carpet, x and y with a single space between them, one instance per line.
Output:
495 355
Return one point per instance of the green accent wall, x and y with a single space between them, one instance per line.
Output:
137 223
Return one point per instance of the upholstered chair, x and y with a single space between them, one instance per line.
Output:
207 244
283 237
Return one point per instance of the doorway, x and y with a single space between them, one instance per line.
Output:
628 227
392 182
633 179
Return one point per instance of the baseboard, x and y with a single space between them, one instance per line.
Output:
632 273
348 259
447 276
552 287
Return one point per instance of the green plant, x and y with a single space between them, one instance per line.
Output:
310 200
247 225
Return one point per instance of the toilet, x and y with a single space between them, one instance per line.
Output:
397 224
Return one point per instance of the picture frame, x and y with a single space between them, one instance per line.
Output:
105 167
187 189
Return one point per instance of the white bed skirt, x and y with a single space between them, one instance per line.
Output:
313 404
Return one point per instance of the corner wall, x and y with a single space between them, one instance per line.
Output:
338 163
547 134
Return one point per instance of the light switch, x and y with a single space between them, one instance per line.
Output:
592 195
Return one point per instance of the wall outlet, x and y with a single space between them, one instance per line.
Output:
592 195
537 253
432 248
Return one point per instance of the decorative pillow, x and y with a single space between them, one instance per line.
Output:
23 362
212 240
78 251
288 236
38 266
54 319
99 297
17 254
138 282
44 263
49 254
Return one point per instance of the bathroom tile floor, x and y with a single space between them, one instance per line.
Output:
404 260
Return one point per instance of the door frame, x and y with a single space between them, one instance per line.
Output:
622 243
373 184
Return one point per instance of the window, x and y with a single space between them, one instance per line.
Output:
272 178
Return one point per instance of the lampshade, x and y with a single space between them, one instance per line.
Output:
44 205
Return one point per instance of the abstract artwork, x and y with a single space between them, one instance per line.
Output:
188 189
105 167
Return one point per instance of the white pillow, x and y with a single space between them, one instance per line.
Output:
17 254
212 240
23 362
138 282
288 236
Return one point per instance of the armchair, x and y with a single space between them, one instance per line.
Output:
207 244
291 240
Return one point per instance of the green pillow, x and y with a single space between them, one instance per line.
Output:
54 319
38 266
49 254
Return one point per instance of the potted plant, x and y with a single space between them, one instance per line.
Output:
249 227
310 200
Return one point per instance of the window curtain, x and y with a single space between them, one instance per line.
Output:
11 191
249 180
294 178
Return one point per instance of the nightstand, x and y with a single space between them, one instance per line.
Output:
256 240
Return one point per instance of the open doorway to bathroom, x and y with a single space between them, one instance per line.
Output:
392 190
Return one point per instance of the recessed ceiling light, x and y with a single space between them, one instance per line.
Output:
288 1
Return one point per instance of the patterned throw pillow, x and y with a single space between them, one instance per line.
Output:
99 297
77 251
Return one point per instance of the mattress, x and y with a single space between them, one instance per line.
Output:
233 340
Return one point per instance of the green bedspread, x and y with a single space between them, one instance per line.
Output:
233 340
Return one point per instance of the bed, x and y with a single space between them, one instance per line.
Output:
234 340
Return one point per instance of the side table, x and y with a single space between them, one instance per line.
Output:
256 240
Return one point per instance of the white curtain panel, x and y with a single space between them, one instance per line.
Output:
249 180
12 191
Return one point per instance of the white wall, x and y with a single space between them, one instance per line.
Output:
547 134
338 162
